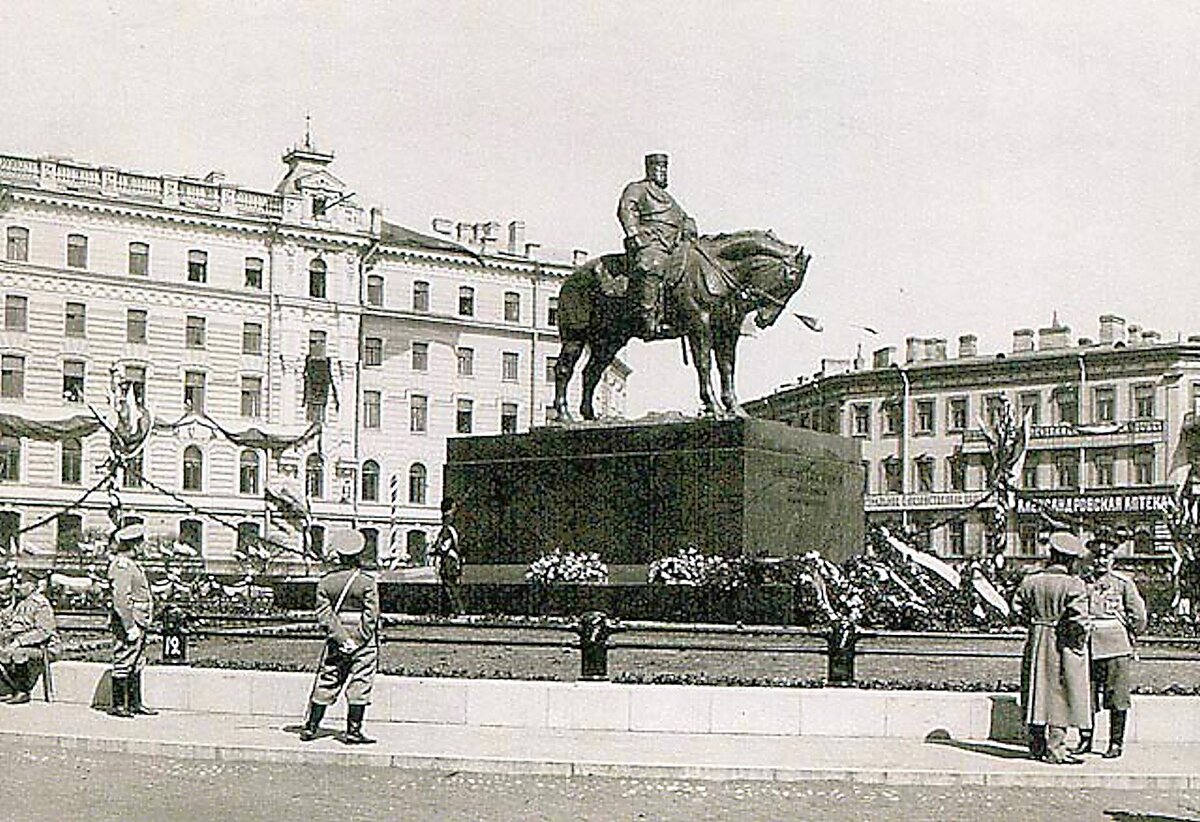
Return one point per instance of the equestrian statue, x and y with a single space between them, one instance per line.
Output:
671 283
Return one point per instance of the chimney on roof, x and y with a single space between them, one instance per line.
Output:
1135 334
516 238
968 346
1112 329
834 365
1084 342
1022 340
376 221
882 358
215 177
578 256
489 244
914 349
1150 337
464 233
859 362
442 225
936 349
1055 336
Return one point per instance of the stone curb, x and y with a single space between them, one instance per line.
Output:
1040 778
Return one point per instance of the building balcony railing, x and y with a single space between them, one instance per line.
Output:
66 175
1130 432
935 500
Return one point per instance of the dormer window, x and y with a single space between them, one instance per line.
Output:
320 204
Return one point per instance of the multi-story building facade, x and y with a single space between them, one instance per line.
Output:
288 343
1105 423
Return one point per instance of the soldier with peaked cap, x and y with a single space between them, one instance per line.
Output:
348 613
654 226
29 628
1053 602
1118 616
132 611
448 556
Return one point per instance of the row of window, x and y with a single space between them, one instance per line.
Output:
249 472
17 250
1064 472
1064 405
418 414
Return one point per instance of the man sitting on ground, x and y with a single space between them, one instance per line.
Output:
30 628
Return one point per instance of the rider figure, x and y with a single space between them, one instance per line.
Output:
654 225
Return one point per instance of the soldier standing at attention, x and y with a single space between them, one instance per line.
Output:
448 556
1118 616
654 226
1053 602
132 611
348 613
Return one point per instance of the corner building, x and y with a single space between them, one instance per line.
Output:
1106 422
293 317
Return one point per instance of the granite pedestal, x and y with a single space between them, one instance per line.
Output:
634 493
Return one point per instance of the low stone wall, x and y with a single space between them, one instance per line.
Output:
831 712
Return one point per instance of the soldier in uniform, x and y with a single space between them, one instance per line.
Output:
655 226
29 628
448 557
1118 616
1053 603
348 613
132 611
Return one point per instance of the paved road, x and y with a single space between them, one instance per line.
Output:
48 783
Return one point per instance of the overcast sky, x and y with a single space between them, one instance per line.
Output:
952 167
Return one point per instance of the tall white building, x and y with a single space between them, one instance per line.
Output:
287 343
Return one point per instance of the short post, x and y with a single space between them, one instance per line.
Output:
174 636
841 637
594 630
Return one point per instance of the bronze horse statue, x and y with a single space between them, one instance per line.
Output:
720 280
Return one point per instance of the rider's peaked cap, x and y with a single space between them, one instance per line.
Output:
346 541
656 157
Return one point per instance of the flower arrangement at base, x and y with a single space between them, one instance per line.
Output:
687 566
567 568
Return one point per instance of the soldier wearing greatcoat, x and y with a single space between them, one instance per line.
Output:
1118 615
130 617
348 613
1053 603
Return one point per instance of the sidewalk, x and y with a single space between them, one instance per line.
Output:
564 752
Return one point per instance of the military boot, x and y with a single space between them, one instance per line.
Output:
1037 741
120 698
1085 743
1116 734
312 722
134 687
354 723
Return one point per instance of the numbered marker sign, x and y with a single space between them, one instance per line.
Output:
174 648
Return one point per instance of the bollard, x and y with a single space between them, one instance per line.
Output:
841 637
594 630
174 635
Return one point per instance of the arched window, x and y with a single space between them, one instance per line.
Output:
374 289
316 279
420 296
77 251
191 533
314 476
248 472
197 266
415 542
466 301
193 468
18 244
418 478
370 481
139 259
72 462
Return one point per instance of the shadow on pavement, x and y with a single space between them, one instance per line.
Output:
1134 816
322 733
1000 751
